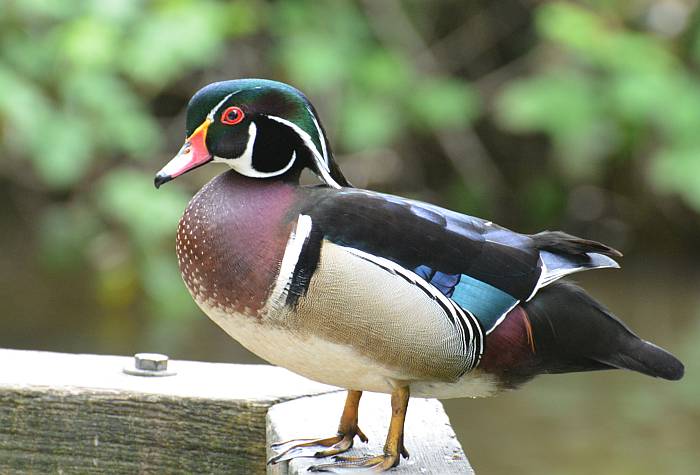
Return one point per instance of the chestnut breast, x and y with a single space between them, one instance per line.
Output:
231 241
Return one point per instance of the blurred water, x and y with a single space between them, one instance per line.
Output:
610 422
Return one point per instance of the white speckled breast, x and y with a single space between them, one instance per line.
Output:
231 240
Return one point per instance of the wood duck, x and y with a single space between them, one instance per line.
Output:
374 292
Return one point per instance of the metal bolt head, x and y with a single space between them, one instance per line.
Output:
149 364
151 361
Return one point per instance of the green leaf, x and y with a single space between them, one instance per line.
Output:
172 40
30 55
639 97
383 72
149 215
64 234
562 103
39 10
600 42
442 103
571 25
121 123
20 96
90 42
678 171
163 285
314 61
320 48
62 156
680 123
570 109
368 123
116 11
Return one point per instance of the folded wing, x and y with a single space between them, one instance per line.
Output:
485 268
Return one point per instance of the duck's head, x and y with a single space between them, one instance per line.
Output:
260 128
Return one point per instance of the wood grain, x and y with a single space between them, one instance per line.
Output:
81 414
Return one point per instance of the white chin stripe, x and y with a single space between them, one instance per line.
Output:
321 160
244 163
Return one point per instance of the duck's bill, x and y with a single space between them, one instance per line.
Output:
193 154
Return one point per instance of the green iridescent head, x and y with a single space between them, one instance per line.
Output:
260 128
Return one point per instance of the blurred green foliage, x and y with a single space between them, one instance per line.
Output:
611 91
93 90
383 92
75 105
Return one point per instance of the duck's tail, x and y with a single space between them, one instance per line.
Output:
573 332
563 330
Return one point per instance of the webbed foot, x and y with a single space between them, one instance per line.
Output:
337 444
376 464
393 448
315 447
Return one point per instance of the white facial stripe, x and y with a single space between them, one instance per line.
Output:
244 163
321 162
216 108
325 175
322 137
305 137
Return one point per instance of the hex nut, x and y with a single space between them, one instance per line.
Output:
149 364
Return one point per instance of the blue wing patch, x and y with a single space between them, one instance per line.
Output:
487 303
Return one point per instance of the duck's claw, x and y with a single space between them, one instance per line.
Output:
372 464
314 447
393 448
338 444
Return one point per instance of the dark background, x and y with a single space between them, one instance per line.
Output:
538 115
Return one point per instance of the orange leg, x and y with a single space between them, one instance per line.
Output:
393 448
342 442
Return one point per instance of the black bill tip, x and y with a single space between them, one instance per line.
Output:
160 179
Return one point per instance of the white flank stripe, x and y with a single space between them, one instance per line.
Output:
503 316
295 244
321 162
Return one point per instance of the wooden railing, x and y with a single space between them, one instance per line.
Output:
65 413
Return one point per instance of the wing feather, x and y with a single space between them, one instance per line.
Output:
485 268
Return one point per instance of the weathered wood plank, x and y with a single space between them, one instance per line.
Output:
81 414
429 438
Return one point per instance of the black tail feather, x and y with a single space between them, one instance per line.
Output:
649 359
563 243
573 332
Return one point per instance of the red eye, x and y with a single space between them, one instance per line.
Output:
232 115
